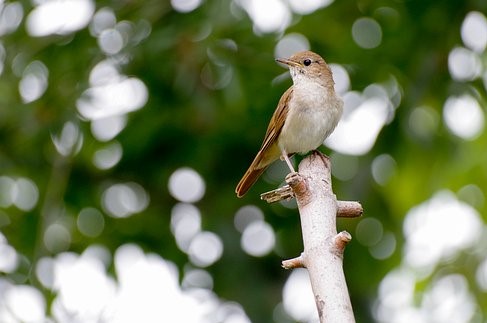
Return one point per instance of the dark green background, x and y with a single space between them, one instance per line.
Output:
217 132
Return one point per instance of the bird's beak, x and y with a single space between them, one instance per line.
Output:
288 62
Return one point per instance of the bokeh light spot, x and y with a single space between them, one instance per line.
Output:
383 168
277 171
103 19
460 228
423 122
57 238
345 167
111 94
69 141
7 197
186 185
123 200
110 41
148 289
197 278
464 65
185 5
359 127
304 7
103 73
106 129
45 272
108 156
291 44
246 215
297 297
9 258
385 247
205 249
59 17
34 81
268 16
90 222
367 33
473 195
369 231
449 300
24 194
99 253
258 239
474 31
83 287
185 224
11 15
464 117
396 292
481 275
26 303
341 78
3 56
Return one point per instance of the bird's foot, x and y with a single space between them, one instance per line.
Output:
326 160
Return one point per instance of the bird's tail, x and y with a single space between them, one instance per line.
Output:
265 156
249 178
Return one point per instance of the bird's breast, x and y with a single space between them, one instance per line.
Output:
313 114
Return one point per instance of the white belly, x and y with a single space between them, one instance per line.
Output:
310 120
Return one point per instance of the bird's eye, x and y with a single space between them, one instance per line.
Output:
307 62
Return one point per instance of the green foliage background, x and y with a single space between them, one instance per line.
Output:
216 132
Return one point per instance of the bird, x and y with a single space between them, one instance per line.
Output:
306 115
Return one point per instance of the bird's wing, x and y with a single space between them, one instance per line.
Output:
269 150
277 120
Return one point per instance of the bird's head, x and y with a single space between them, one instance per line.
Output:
307 66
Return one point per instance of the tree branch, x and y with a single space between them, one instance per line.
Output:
346 209
323 246
297 262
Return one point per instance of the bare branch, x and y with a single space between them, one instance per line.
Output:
323 247
349 209
341 240
282 193
346 209
297 262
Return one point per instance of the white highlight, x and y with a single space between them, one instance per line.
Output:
185 5
185 224
186 185
304 7
59 17
108 156
258 239
34 81
268 16
464 65
205 249
298 299
425 244
474 31
464 117
357 132
124 200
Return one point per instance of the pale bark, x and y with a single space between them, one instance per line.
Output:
323 246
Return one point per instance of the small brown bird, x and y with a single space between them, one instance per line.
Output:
307 113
